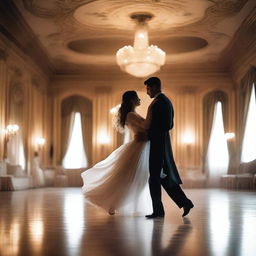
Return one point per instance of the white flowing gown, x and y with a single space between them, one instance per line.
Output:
120 182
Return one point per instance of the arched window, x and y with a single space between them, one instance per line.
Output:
75 156
248 146
214 102
76 132
217 153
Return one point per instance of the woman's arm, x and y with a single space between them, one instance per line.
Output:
136 120
139 121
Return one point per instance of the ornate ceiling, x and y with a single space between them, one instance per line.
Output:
76 33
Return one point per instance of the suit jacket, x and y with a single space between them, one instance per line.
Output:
161 155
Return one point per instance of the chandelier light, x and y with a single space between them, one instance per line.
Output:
140 60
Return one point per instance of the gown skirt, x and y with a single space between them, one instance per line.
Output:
120 182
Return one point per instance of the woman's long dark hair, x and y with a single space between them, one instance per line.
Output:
126 106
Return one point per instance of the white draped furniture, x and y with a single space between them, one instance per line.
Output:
12 177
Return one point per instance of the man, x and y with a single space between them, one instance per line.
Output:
162 167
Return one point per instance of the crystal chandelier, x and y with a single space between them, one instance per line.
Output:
140 60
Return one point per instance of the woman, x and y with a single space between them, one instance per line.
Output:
119 183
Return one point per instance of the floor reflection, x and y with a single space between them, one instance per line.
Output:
36 230
135 236
176 241
74 221
10 225
10 238
219 222
248 244
35 222
42 222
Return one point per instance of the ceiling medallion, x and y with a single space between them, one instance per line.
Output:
140 60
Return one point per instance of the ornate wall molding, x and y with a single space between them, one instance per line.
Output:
3 54
37 83
16 72
17 95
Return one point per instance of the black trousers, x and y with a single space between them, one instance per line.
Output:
174 191
156 163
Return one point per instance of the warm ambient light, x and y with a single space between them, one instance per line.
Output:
12 129
114 110
229 135
188 138
140 60
103 139
40 142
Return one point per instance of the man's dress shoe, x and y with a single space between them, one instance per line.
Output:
187 208
154 215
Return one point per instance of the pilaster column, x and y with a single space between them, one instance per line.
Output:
103 131
56 131
3 98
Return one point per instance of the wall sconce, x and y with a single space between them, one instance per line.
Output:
229 135
103 139
188 138
40 141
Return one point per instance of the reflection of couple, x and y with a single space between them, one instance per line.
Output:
121 179
144 238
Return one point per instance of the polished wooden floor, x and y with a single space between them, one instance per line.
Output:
58 221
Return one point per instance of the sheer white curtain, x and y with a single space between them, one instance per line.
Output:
15 149
217 154
75 156
22 160
249 141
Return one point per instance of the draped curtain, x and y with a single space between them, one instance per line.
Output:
243 105
16 145
67 123
68 107
209 103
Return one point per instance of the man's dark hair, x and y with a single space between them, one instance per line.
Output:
153 82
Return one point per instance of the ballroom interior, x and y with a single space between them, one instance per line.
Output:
64 66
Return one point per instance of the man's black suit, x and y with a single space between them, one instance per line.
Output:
161 156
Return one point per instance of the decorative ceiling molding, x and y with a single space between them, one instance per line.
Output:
53 8
20 34
108 46
238 59
221 10
60 25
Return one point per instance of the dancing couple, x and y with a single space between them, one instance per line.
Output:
134 172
